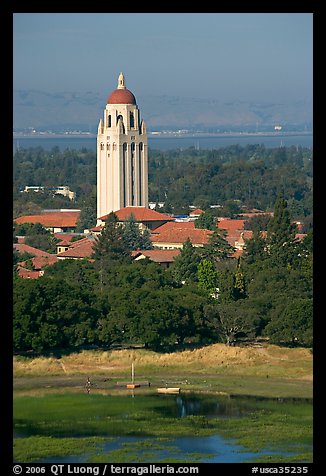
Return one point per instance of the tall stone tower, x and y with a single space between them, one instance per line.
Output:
122 154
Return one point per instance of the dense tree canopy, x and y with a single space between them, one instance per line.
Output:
205 296
233 176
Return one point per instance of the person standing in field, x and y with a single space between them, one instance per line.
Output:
88 385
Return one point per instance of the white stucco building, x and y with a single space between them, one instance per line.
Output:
122 154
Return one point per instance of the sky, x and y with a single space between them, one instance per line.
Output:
223 56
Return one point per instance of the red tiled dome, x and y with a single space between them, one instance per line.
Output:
121 96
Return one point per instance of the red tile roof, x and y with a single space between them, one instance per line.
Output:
196 212
141 214
255 212
65 238
39 262
27 273
52 219
179 232
173 225
158 256
230 225
300 236
79 249
22 248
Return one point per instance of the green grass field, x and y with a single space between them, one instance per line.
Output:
54 416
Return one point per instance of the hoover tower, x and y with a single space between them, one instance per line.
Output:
122 154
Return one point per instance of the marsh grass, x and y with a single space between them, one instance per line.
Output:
40 447
153 451
92 418
279 427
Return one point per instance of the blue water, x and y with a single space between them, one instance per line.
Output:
169 143
202 449
208 449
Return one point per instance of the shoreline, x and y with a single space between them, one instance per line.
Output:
269 371
167 135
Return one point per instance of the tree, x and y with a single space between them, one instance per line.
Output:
87 217
292 323
20 257
207 220
239 287
258 222
80 273
232 321
134 238
225 278
185 265
42 242
50 313
109 248
255 248
28 229
230 209
117 323
281 234
208 278
218 248
36 236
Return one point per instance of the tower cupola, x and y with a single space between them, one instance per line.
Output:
121 95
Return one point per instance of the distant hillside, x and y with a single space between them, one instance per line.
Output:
82 111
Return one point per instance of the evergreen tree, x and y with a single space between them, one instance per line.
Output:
207 277
255 248
109 249
281 234
87 217
185 265
109 245
134 238
218 248
239 288
206 220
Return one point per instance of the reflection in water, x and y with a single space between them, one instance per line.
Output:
209 407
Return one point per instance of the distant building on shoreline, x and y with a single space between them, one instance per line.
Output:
61 190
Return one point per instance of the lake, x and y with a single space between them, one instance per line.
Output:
161 428
170 143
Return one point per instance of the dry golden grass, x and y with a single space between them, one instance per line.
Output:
213 359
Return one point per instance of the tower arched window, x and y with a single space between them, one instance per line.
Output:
109 120
124 172
120 118
132 120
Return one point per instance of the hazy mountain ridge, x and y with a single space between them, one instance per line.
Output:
82 111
